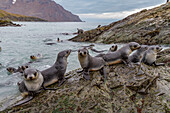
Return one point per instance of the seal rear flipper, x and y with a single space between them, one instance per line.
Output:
49 88
158 64
27 99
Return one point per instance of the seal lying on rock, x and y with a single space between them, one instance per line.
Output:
32 83
89 63
113 48
150 56
122 54
137 56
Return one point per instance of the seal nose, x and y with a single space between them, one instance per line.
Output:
81 54
30 78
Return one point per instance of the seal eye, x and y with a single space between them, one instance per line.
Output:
35 74
25 75
157 48
79 51
135 46
85 52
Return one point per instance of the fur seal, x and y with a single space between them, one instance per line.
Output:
31 85
121 54
89 63
56 72
137 56
150 56
35 57
34 80
20 69
113 48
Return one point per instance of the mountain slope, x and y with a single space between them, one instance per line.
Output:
45 9
145 27
15 17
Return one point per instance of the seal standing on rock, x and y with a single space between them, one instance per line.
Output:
89 63
121 54
56 72
137 56
150 56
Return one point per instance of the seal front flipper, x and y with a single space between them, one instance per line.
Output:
61 82
79 71
86 75
27 99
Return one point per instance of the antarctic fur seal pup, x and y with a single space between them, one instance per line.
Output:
113 48
121 55
150 56
137 56
31 85
35 80
35 57
89 63
56 72
20 69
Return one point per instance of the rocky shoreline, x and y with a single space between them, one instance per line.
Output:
126 90
148 27
4 23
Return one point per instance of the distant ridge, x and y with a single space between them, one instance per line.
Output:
45 9
15 17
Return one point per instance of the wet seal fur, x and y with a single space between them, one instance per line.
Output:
121 55
89 63
35 57
150 56
20 69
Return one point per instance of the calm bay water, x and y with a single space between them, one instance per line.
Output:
18 43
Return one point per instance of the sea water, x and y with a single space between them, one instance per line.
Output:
19 43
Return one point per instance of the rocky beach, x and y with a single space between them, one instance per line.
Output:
148 27
127 89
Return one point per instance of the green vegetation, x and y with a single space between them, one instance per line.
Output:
15 17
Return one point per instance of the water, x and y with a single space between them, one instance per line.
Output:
18 43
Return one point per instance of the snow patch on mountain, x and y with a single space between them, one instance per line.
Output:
13 2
